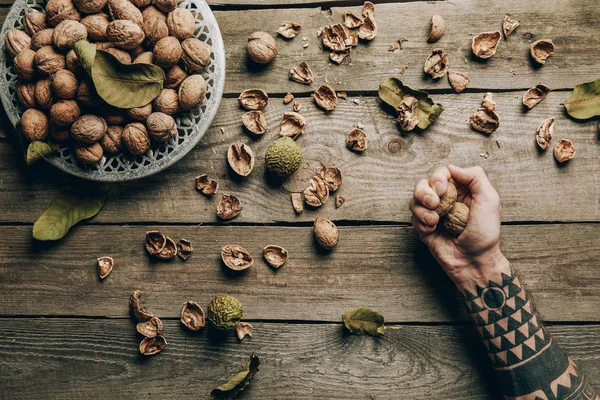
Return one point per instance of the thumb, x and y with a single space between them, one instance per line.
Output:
473 177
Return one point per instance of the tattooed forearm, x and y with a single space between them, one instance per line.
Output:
528 364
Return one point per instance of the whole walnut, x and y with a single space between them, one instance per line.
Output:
87 95
44 97
34 22
72 62
140 113
24 64
67 33
90 6
326 233
125 34
166 5
135 138
192 91
42 38
88 154
88 129
155 29
34 125
141 3
167 102
65 84
59 10
135 52
115 116
64 112
112 141
161 127
120 55
16 41
144 58
103 45
152 12
26 94
59 134
181 23
96 25
48 61
124 9
174 76
196 55
456 221
447 200
261 47
167 52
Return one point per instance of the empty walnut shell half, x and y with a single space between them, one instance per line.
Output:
289 29
152 346
368 9
151 328
206 186
184 249
229 207
253 99
484 120
407 116
540 50
242 329
564 150
334 37
535 95
297 202
302 74
368 30
332 176
436 64
236 258
447 200
317 193
357 140
543 135
458 80
292 124
326 233
241 158
140 314
437 29
351 20
485 44
169 251
275 256
509 25
105 266
192 316
255 122
155 242
325 97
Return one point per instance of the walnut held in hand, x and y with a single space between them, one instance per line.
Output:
456 221
447 200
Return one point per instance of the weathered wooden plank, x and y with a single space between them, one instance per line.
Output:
377 185
78 358
235 4
386 268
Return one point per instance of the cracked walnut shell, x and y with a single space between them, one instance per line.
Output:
335 37
302 74
151 328
297 202
351 20
140 314
368 30
289 29
152 346
229 207
485 44
544 132
540 50
458 80
437 29
484 120
253 99
535 95
436 64
275 256
564 150
241 158
192 316
509 25
184 249
236 258
325 97
326 233
357 140
255 122
331 176
317 193
261 47
292 124
105 266
206 186
407 116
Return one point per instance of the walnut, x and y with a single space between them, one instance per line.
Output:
87 95
103 45
24 64
166 5
167 102
90 6
96 25
302 74
34 125
540 50
59 134
67 33
140 113
16 41
59 10
535 95
351 20
456 221
72 62
181 23
125 10
261 47
368 30
42 38
144 58
121 55
206 186
485 44
161 127
229 207
115 116
437 29
88 154
564 150
125 34
253 99
195 55
65 84
34 22
112 141
357 140
317 193
141 3
48 61
407 116
292 124
255 122
137 51
26 94
88 129
174 77
241 158
509 25
136 138
154 30
325 97
167 52
152 12
64 112
447 200
192 91
44 97
326 233
543 136
458 80
289 29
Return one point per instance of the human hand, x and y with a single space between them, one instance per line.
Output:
471 255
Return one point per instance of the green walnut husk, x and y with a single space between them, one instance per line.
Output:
283 157
224 312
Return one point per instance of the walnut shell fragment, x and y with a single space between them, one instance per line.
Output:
484 120
140 314
509 25
255 122
447 200
407 116
351 20
253 99
155 242
564 150
339 200
297 202
236 258
535 95
275 256
184 249
169 251
437 29
151 328
368 9
152 346
540 50
544 132
357 140
458 80
241 158
488 101
326 233
302 74
331 176
206 186
335 37
229 207
105 266
317 193
243 329
289 29
436 64
368 30
325 97
339 56
192 316
292 124
456 221
485 44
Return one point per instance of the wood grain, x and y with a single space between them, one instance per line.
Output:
386 268
377 185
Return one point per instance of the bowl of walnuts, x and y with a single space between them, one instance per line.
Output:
120 89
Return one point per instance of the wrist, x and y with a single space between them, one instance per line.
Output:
482 269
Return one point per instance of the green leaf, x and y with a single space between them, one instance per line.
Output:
69 207
86 52
392 91
239 382
37 150
362 320
584 101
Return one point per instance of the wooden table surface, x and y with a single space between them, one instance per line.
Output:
65 334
